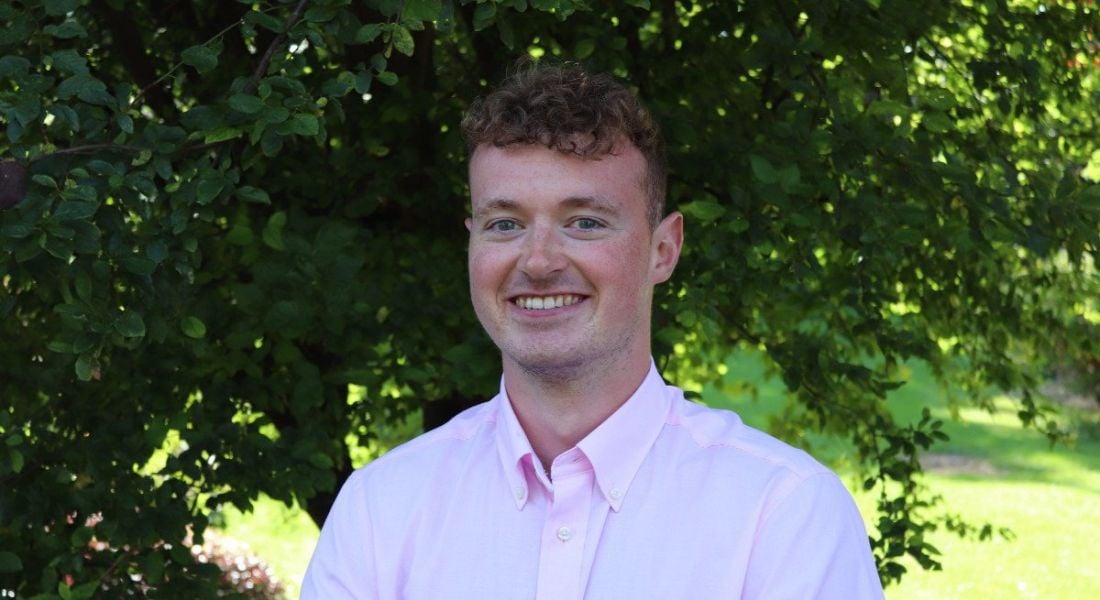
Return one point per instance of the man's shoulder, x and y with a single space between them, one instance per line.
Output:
722 434
465 429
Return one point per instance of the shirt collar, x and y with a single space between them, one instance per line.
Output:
616 448
516 455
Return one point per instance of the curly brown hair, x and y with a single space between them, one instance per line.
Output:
568 109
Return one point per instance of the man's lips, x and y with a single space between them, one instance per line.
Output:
546 301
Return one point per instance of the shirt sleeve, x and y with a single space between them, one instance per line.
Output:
813 545
343 566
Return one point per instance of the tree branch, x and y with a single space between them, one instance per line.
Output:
270 52
87 149
127 37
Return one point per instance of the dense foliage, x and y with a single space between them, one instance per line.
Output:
232 252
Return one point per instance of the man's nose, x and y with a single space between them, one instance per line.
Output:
543 253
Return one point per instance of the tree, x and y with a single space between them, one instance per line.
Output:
233 254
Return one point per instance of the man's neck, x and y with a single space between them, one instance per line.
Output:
557 414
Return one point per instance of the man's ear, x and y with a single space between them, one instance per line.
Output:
469 224
668 238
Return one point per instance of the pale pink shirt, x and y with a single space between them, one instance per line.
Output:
665 499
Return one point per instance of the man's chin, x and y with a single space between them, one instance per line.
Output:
552 367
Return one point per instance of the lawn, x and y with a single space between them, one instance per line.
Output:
991 471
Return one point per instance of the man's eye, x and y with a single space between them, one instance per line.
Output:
502 226
588 224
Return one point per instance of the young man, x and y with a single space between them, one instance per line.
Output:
586 476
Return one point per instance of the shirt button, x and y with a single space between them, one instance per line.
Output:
520 493
616 494
564 534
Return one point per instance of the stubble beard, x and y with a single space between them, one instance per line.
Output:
570 366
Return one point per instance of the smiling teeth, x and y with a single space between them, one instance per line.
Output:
546 302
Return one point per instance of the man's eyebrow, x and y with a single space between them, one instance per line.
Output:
594 204
495 205
591 203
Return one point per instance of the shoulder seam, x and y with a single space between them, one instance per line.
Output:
748 450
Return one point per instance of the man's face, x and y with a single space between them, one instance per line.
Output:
562 256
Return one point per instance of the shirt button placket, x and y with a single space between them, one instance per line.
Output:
562 554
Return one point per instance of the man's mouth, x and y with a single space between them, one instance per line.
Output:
546 302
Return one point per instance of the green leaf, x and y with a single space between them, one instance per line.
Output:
66 31
83 368
484 15
222 134
256 195
209 188
939 99
80 537
705 211
507 31
547 5
339 85
362 81
584 48
125 123
9 562
193 327
403 39
639 3
275 114
157 251
57 8
102 167
245 103
85 591
321 460
303 124
271 144
762 169
44 180
16 459
83 284
142 158
239 235
130 325
273 231
789 177
84 193
422 10
367 33
59 248
389 8
83 86
936 122
387 77
1090 198
138 265
70 210
70 62
203 58
264 20
320 14
16 231
152 567
64 591
14 67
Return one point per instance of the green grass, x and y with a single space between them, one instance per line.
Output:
1048 498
